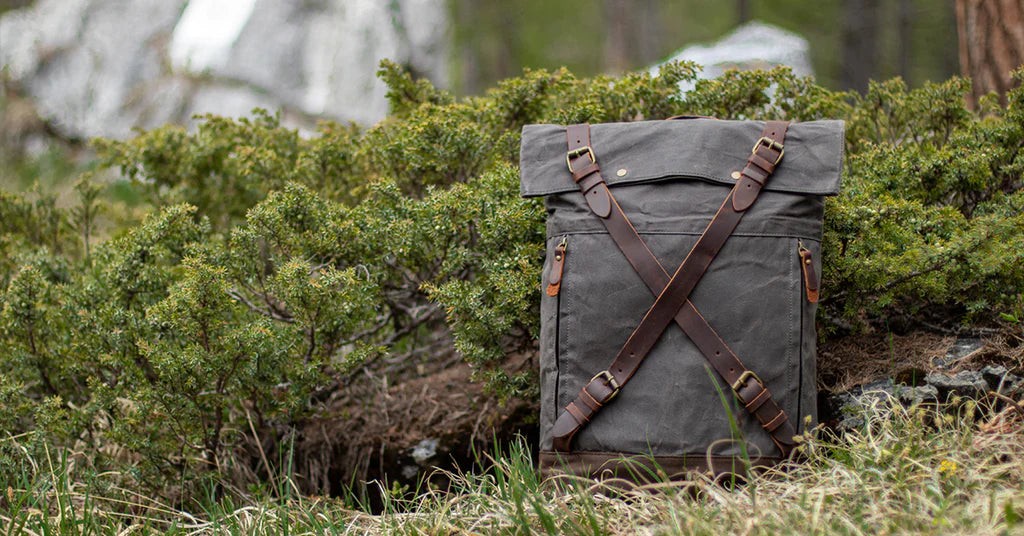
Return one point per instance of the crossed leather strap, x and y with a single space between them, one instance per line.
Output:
673 293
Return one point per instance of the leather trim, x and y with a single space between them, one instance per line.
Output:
557 267
810 275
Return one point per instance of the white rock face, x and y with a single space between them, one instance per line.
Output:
206 32
88 64
754 45
103 67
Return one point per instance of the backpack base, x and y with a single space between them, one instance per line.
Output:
643 469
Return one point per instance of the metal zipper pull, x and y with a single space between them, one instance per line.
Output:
810 276
555 278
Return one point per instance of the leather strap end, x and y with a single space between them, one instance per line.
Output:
745 194
784 437
563 432
600 200
557 266
810 275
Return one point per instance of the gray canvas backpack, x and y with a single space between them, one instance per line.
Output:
681 272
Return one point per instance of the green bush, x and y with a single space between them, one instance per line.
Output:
274 266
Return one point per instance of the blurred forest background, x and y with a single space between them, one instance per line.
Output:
851 41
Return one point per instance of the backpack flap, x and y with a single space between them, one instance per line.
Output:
705 149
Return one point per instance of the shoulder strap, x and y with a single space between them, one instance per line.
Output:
673 293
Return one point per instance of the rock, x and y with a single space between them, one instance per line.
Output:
85 78
913 396
968 384
425 450
409 472
206 32
754 45
845 411
102 67
962 348
1000 380
877 389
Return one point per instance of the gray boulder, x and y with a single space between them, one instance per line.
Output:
1001 380
103 67
962 348
89 65
968 383
754 45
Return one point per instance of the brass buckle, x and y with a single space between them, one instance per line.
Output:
742 380
771 144
579 152
609 380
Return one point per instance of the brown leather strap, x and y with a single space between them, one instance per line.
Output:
604 386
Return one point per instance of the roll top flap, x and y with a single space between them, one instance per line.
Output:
704 149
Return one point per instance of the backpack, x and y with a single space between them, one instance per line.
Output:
679 291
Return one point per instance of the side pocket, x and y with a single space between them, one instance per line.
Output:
555 279
810 266
551 310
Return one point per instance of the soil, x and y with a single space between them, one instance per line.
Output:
372 429
847 362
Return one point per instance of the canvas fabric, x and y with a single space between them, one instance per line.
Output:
670 177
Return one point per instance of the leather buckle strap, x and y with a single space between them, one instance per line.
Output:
753 397
609 381
770 144
576 153
742 380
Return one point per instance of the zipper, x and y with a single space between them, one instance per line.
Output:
555 277
810 276
553 289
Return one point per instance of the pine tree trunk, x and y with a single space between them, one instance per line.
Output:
860 42
632 34
618 51
991 39
905 20
742 11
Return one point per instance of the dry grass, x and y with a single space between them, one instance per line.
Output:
907 471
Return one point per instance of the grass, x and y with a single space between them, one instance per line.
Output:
908 471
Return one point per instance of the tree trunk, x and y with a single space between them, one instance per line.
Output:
742 11
905 21
466 14
617 49
632 34
991 39
650 31
860 43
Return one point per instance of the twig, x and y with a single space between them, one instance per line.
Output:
268 312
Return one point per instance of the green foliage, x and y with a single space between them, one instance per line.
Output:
274 266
